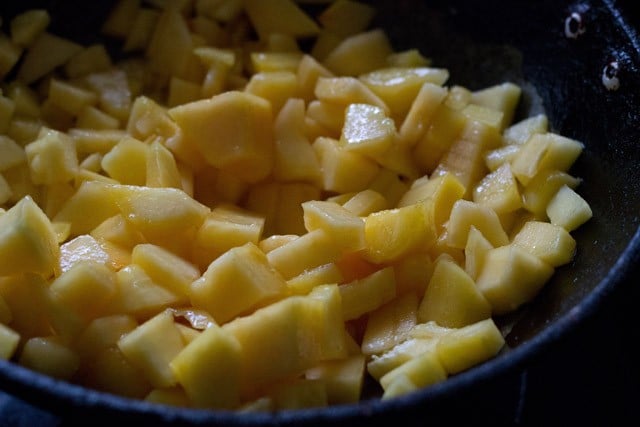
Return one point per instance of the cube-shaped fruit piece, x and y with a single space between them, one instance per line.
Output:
367 130
9 340
444 129
393 233
379 365
139 296
343 171
161 168
86 288
119 231
93 118
69 97
280 16
475 252
102 333
45 54
304 282
52 158
511 277
465 214
305 252
360 53
110 371
28 25
421 112
141 30
568 209
452 298
288 215
468 346
282 64
326 117
120 18
94 58
208 369
114 93
549 242
496 157
295 159
503 97
28 242
390 324
320 318
236 283
274 86
345 91
233 131
520 132
346 228
365 202
423 370
89 141
545 151
413 273
126 162
169 49
342 378
309 70
165 268
499 191
486 115
390 185
367 294
408 58
152 346
542 187
50 356
398 87
346 17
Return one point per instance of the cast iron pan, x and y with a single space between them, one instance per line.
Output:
481 43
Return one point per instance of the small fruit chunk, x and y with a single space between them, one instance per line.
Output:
549 242
568 209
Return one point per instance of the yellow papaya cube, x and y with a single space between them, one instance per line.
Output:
52 158
495 158
549 242
120 19
274 86
390 324
400 386
475 252
486 115
444 191
408 58
158 212
236 283
360 53
165 268
423 370
170 46
568 209
86 288
346 91
295 159
390 185
543 186
367 294
445 127
328 116
139 296
275 241
45 54
325 43
452 299
92 118
398 87
279 16
152 346
50 356
28 25
126 162
275 62
114 93
174 396
141 30
87 208
89 141
458 97
365 202
111 372
161 168
367 130
303 283
465 214
28 242
92 59
233 132
299 394
346 228
343 379
70 98
9 340
102 333
379 365
511 277
119 231
7 108
499 191
346 17
320 318
545 151
520 132
393 233
149 119
354 266
308 72
343 171
421 112
503 97
468 346
305 252
208 369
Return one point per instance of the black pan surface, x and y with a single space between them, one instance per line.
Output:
481 43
